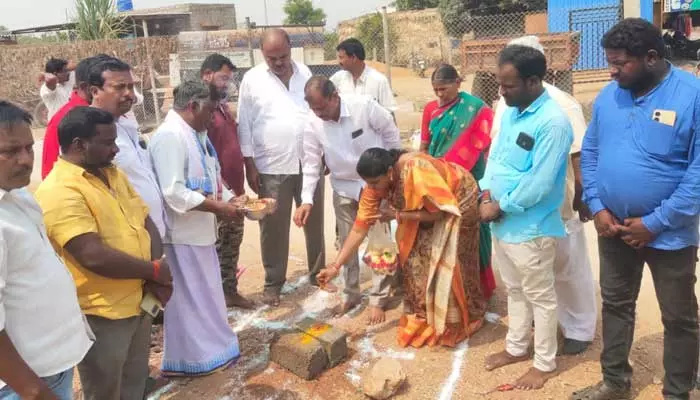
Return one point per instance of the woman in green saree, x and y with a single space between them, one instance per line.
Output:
457 127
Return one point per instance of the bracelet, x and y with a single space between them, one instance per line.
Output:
486 194
156 269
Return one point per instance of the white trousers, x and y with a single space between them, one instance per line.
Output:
574 285
527 271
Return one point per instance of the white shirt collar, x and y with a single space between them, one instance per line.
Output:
3 192
363 75
176 118
295 69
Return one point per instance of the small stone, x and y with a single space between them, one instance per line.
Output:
384 379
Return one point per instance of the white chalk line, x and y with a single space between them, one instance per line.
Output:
448 387
492 318
160 392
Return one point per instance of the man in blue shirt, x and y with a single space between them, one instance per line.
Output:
641 173
522 192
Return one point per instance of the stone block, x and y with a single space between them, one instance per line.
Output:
334 340
300 354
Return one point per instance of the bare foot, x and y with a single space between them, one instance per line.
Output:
376 315
236 300
346 307
533 379
498 360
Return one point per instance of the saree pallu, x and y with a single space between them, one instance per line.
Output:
460 133
440 261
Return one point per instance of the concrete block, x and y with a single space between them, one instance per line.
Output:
299 353
334 340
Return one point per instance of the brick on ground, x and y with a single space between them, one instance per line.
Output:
299 353
334 340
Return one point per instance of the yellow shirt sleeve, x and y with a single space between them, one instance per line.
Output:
66 214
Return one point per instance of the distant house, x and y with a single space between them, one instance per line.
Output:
171 20
7 38
163 21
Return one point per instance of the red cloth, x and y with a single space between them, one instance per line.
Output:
427 116
51 146
223 134
488 282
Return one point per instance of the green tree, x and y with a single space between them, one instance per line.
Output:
403 5
370 32
302 12
98 19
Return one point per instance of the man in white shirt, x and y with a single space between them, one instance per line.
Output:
271 115
58 82
43 334
112 88
574 285
198 339
359 78
342 128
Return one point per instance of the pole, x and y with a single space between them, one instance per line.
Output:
251 54
387 51
151 73
265 4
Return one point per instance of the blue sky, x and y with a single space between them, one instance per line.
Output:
29 13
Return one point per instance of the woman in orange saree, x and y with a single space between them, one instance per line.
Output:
435 204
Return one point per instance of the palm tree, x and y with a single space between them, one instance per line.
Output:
98 19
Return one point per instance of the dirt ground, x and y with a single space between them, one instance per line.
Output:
432 373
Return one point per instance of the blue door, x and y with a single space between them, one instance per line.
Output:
592 23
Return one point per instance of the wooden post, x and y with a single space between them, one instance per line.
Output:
151 72
387 50
251 53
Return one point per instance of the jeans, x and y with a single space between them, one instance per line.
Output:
61 384
673 273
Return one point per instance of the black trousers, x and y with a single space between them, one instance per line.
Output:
673 273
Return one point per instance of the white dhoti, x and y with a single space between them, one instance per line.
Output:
574 285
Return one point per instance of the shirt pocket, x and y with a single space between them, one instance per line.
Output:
517 157
365 141
135 212
655 138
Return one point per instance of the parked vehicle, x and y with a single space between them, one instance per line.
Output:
679 46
